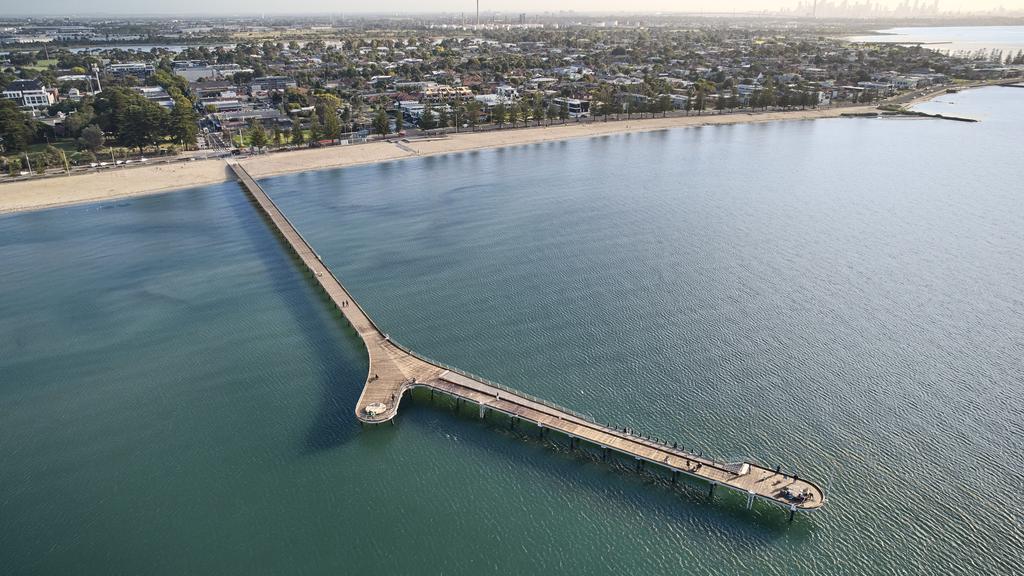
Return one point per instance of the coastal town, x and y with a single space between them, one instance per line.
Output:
90 95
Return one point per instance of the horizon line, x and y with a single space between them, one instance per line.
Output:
1016 15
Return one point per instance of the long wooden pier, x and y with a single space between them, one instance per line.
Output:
395 369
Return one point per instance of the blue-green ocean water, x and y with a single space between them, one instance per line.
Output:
844 297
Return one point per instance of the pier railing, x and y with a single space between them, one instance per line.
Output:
502 387
239 168
589 420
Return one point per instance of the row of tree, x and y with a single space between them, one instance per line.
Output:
134 121
17 129
471 113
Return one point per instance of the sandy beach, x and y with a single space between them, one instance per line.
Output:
123 182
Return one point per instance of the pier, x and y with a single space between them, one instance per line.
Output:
395 370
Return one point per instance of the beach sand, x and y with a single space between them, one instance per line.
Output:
108 184
122 182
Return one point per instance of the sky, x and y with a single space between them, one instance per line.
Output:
76 7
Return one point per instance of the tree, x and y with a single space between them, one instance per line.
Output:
458 117
133 120
427 121
498 114
316 132
257 135
15 129
328 103
78 119
92 138
606 96
380 122
442 117
755 99
332 126
617 108
538 111
664 104
141 125
720 103
13 166
702 87
182 124
513 114
767 97
524 110
563 112
473 113
399 120
277 135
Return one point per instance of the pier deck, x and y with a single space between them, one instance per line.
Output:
394 369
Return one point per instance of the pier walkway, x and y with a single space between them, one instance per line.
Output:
395 369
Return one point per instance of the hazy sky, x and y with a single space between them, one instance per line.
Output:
514 6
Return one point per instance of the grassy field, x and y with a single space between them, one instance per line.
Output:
42 65
68 146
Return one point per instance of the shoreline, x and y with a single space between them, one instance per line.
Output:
60 191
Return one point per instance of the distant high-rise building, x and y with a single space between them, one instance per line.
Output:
868 9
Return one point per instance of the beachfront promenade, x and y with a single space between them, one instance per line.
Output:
394 369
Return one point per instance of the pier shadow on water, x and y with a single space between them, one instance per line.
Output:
340 371
686 502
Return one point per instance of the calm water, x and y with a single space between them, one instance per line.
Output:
843 296
955 38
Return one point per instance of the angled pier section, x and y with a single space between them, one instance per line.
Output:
395 369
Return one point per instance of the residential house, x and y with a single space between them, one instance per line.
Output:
137 69
29 93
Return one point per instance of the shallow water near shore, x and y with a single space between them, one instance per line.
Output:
954 39
843 297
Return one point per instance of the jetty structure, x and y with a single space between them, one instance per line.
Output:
395 370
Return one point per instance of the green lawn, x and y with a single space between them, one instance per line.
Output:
67 145
41 65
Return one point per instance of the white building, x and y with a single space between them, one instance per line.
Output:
507 93
29 94
137 69
195 71
577 108
906 82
